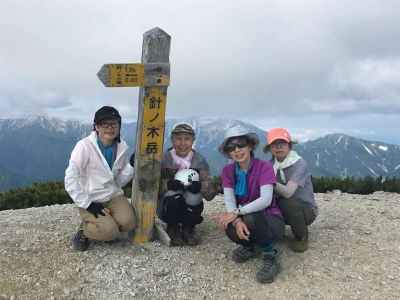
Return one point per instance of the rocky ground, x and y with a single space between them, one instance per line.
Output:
354 254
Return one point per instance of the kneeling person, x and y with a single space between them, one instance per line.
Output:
253 219
185 181
294 189
98 169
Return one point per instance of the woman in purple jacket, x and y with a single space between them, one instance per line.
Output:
253 219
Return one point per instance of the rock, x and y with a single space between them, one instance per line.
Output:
161 272
336 192
339 258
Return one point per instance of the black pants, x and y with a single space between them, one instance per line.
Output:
176 211
298 215
263 229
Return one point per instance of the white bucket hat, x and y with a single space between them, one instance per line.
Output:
237 131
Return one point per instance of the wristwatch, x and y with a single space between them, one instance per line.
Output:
237 211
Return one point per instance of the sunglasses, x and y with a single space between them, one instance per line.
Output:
231 146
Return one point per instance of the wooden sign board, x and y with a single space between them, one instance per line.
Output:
133 75
152 76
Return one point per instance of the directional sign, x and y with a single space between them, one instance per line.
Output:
116 75
129 75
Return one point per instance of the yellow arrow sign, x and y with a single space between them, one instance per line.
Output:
116 75
130 75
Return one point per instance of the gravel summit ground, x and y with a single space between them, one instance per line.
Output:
354 254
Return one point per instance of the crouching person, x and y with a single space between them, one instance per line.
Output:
253 219
294 189
185 181
98 169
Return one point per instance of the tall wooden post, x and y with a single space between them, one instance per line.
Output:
152 75
150 136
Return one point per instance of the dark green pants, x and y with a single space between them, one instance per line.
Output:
298 215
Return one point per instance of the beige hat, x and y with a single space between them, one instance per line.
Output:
183 128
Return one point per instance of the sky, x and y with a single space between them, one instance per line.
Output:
314 67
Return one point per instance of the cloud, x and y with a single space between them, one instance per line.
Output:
316 62
368 86
369 79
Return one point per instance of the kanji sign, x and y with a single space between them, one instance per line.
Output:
116 75
131 75
153 123
152 76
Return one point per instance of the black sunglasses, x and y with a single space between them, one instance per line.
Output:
231 146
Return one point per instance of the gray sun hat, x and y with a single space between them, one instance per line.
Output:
238 131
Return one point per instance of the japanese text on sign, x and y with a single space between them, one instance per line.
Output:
153 123
126 74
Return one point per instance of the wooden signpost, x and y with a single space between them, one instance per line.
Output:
152 76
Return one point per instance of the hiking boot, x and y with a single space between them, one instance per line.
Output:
175 234
243 254
270 267
79 241
299 245
190 236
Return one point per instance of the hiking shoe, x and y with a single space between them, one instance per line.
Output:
190 237
175 234
270 267
243 254
79 241
299 245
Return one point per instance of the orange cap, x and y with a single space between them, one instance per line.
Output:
278 134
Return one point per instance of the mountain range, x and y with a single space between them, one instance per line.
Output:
38 149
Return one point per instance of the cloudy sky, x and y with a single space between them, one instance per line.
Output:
315 67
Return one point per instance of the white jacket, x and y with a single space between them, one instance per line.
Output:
88 177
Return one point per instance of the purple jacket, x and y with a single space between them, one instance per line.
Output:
260 173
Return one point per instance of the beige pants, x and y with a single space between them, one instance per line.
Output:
107 228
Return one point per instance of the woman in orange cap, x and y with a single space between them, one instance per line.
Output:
294 189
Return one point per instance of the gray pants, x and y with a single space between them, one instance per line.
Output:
264 229
298 215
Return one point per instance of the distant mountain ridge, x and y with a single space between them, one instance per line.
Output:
343 155
38 148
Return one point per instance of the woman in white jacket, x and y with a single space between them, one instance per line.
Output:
98 169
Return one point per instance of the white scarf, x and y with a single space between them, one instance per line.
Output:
182 162
289 160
